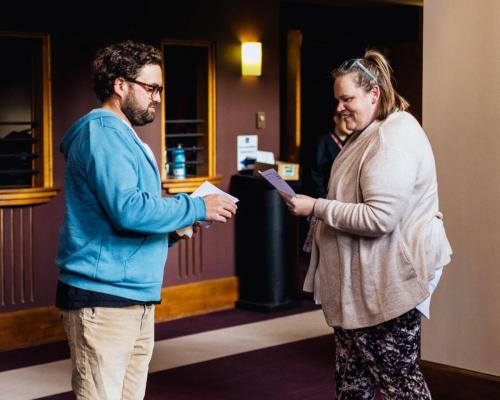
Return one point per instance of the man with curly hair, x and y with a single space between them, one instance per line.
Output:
117 228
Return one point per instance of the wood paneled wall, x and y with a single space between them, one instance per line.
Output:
43 324
16 256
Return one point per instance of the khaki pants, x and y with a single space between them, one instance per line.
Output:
110 351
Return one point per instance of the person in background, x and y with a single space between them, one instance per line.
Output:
117 227
327 149
379 246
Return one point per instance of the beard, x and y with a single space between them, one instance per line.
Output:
137 115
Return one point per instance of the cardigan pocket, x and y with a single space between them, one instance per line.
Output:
407 270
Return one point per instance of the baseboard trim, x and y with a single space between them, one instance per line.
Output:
40 325
197 298
452 383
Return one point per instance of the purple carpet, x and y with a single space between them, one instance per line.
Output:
187 326
301 370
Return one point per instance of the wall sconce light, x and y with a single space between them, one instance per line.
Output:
251 59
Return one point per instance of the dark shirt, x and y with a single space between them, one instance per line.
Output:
327 149
72 298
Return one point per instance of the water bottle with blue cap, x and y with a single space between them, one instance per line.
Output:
179 158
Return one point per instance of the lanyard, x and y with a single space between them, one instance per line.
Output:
337 140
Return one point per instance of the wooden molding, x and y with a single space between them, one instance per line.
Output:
30 196
291 141
43 188
188 185
447 382
30 327
197 298
35 326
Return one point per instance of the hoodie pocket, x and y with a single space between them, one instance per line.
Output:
146 265
115 251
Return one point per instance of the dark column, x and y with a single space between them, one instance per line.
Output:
266 246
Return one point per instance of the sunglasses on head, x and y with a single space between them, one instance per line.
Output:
349 65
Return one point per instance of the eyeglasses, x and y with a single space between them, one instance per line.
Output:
355 63
152 89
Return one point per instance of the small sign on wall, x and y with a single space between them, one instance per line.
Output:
247 146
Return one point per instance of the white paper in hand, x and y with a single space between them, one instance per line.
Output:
187 231
271 175
204 189
207 188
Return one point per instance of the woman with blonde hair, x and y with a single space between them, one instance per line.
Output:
379 246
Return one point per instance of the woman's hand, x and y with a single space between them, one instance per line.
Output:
300 205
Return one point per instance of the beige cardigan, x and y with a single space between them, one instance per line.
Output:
380 236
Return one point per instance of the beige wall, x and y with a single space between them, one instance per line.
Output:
461 115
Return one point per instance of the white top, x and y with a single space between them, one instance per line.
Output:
144 144
425 306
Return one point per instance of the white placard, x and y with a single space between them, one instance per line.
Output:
247 146
266 157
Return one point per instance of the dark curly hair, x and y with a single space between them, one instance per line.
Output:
124 60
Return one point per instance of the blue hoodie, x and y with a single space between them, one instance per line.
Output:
114 238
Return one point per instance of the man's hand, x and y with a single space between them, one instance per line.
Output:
195 229
175 236
219 208
299 205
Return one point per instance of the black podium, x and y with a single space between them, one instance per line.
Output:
266 246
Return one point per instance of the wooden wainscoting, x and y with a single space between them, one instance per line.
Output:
17 276
43 325
452 383
197 298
